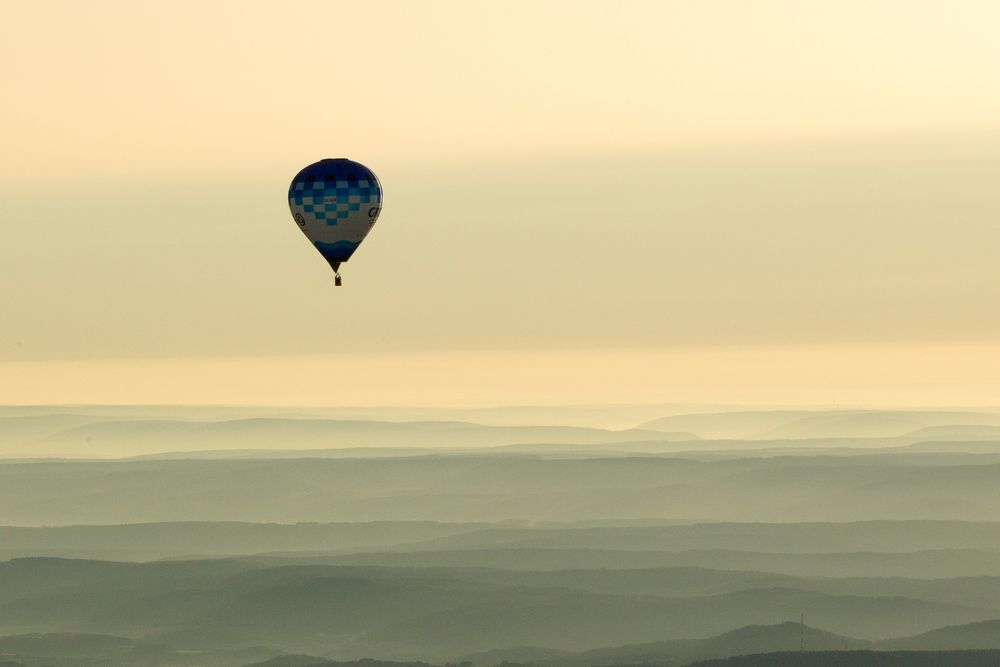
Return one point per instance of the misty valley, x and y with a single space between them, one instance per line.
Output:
550 537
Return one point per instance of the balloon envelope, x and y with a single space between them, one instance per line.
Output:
335 202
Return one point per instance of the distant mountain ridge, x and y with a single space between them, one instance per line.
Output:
859 659
756 643
473 487
404 613
72 435
982 635
955 432
778 424
787 636
409 538
901 549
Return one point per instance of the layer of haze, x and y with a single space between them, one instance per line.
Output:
731 201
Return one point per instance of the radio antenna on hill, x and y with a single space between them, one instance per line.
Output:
802 632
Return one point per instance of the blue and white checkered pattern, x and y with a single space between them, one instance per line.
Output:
332 200
335 202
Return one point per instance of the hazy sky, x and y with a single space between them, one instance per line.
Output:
639 201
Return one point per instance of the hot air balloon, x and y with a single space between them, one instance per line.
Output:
335 202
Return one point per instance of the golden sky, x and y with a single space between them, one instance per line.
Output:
584 201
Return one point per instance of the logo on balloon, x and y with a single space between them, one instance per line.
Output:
299 218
